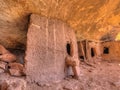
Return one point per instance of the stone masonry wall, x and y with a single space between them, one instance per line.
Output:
96 50
46 49
114 50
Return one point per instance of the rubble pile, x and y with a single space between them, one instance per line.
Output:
8 63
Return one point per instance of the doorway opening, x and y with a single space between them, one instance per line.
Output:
69 48
92 52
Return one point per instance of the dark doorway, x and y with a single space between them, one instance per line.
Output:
92 52
106 50
82 57
68 48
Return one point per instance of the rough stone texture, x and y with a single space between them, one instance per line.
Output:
4 86
103 75
12 83
84 49
1 71
114 52
3 50
3 65
46 49
99 51
16 69
90 19
8 57
5 55
96 50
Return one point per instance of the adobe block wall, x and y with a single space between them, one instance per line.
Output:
114 50
81 48
46 49
97 50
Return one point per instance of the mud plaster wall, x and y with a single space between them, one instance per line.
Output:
81 48
96 48
114 50
46 49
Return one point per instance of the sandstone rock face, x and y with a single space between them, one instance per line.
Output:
16 69
8 57
47 41
88 18
3 65
5 55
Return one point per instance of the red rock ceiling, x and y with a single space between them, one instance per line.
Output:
91 19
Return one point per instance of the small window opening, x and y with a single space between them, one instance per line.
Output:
68 48
106 50
92 52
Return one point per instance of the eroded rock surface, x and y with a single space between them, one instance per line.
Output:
90 19
11 83
102 75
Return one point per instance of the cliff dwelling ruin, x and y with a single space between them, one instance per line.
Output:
46 49
60 45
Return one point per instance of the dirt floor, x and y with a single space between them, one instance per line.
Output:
103 75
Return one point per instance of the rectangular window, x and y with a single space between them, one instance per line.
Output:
106 50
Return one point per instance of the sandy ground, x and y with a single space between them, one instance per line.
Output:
103 75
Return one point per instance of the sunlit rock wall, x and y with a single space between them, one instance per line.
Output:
89 18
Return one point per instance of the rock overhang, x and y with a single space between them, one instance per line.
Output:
90 19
